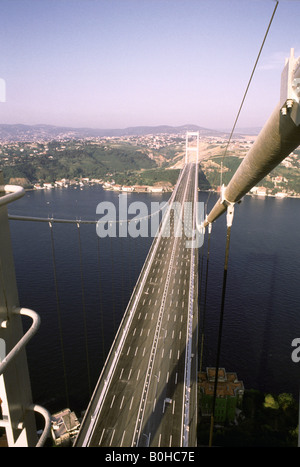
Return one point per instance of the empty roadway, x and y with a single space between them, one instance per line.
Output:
140 397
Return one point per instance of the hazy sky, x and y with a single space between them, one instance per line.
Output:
119 63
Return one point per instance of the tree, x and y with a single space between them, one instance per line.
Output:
270 402
285 400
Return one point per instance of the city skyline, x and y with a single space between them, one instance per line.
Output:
117 64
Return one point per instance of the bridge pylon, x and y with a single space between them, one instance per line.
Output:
190 147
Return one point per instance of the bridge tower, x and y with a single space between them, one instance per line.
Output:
192 145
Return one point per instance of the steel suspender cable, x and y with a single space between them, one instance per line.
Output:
84 309
248 85
122 274
200 309
59 313
101 303
113 285
229 223
128 239
230 214
204 304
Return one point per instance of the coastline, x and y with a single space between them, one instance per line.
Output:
151 189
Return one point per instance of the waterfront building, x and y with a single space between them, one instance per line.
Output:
229 394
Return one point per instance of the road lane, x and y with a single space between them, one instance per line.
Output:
143 403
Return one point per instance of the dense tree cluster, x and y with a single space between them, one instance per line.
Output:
266 420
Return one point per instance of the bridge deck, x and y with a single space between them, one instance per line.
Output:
140 397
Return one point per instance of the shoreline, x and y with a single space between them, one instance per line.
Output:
155 190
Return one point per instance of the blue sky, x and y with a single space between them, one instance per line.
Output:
120 63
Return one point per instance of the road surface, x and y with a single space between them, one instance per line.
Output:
140 397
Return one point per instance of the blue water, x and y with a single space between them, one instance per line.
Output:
262 312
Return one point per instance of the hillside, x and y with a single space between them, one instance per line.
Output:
135 159
28 133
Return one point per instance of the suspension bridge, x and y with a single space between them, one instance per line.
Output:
146 394
149 381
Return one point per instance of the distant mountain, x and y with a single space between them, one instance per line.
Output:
19 132
251 131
